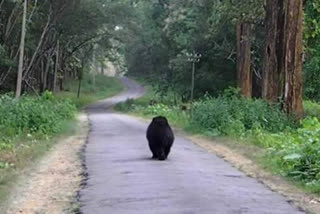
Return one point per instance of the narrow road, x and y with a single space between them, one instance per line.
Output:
123 179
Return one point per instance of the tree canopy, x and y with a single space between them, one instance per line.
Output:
151 39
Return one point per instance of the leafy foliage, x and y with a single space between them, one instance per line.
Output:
35 116
296 152
311 37
162 32
236 115
311 109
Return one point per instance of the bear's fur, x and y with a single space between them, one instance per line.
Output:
160 137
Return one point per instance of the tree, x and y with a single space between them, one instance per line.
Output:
293 36
21 48
244 73
245 14
282 77
76 24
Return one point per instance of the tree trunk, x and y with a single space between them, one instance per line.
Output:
244 75
45 76
282 75
56 68
79 88
23 34
102 68
42 71
61 83
293 57
273 72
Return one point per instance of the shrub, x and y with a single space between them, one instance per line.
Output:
297 152
32 115
311 109
234 115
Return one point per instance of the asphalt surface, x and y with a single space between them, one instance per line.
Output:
123 179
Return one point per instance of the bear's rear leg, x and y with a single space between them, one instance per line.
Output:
167 151
162 154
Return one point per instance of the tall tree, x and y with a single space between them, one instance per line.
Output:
244 73
21 48
282 76
245 18
273 56
293 57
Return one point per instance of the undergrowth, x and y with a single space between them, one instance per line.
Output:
31 118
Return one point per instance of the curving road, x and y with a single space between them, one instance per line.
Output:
122 178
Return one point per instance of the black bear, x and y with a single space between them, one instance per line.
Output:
160 137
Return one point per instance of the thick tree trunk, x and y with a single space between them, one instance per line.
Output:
273 72
244 75
293 57
23 34
282 76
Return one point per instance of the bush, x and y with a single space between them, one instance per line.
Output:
32 115
297 152
311 109
236 115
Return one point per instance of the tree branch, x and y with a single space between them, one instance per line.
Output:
86 42
44 32
33 10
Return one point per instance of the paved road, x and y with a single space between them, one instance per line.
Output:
122 178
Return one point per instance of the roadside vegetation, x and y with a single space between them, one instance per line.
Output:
28 127
31 125
290 148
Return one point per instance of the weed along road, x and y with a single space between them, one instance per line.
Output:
123 179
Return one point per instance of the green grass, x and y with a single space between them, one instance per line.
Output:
91 92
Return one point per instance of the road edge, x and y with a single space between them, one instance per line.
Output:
306 202
50 185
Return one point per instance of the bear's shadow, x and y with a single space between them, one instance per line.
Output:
136 159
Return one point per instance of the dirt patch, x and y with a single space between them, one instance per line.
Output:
51 185
308 202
